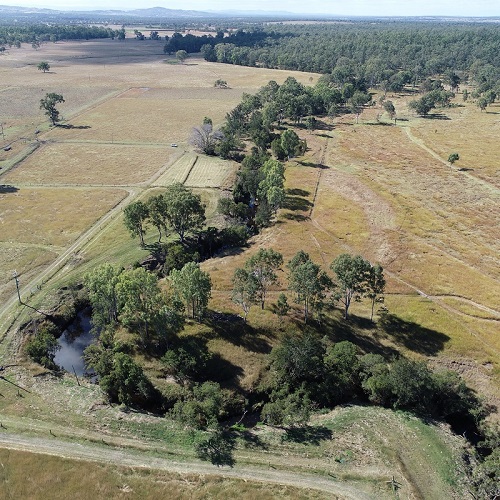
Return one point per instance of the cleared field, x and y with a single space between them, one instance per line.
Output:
143 120
96 164
53 216
444 218
210 172
178 171
26 260
60 478
454 136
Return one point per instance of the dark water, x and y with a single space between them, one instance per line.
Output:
73 341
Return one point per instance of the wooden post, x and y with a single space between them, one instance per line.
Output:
74 371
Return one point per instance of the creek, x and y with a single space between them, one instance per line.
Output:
73 342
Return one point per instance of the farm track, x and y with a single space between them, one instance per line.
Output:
437 299
8 317
121 457
488 185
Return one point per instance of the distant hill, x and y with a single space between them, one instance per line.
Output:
34 14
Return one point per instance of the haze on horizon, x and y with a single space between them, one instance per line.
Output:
465 8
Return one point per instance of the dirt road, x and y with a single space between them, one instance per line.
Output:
77 451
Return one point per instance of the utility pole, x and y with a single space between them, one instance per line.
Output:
16 277
3 135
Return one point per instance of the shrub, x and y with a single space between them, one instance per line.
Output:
42 348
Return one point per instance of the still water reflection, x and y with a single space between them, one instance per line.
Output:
73 341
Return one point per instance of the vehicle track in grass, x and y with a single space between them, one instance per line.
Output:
436 299
122 457
10 307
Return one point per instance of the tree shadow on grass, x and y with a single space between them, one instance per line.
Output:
249 439
297 203
379 124
312 165
355 330
412 335
217 449
239 333
7 188
76 127
307 434
296 217
436 116
297 192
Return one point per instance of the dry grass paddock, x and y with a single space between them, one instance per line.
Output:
26 260
95 164
373 188
211 172
53 216
178 171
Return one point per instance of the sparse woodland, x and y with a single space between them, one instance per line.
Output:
159 312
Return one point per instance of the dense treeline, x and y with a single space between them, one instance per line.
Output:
15 35
192 43
373 51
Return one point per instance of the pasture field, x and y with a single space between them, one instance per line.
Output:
211 172
95 164
60 478
53 216
27 261
178 171
433 228
375 188
138 121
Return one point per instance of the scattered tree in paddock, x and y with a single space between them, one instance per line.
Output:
352 274
308 281
193 287
205 138
390 110
181 55
43 66
453 158
48 103
245 287
375 286
263 266
221 84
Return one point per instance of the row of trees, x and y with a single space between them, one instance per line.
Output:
178 209
376 52
14 35
355 278
307 372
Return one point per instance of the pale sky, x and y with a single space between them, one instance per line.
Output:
479 8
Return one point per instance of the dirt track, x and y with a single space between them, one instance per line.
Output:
77 451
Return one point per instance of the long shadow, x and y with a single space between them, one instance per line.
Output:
6 188
217 449
233 329
312 165
297 192
209 366
412 335
297 203
76 127
296 217
379 124
221 370
307 435
352 330
436 116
